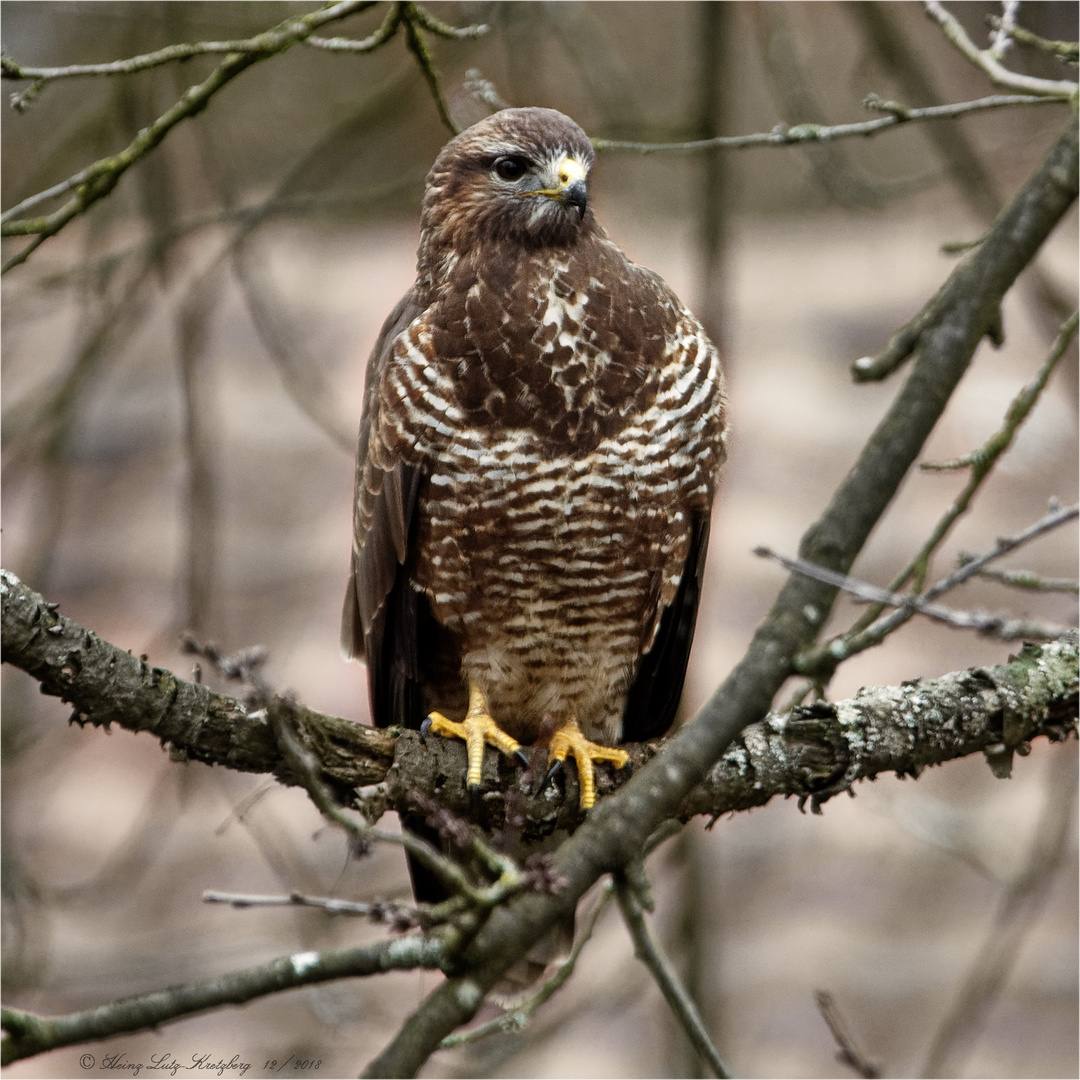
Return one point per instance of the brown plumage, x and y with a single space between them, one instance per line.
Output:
542 428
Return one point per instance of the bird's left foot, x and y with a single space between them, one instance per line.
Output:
569 740
477 729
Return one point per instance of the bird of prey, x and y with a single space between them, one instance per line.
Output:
542 428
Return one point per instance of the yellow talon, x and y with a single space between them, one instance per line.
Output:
569 740
476 729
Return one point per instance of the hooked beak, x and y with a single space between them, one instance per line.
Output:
569 186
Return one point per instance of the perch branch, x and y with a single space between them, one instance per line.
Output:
881 730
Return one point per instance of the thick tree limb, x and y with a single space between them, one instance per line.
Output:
109 686
810 752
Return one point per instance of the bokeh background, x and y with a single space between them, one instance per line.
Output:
182 377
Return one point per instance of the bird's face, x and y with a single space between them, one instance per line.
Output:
538 193
524 184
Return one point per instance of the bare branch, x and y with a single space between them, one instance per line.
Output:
783 135
847 1053
864 636
97 180
981 462
397 915
999 626
631 888
906 605
28 1034
989 60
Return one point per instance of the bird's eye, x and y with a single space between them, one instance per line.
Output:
510 168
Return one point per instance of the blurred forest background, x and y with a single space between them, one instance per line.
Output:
182 377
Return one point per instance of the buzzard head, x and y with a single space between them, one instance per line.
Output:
516 177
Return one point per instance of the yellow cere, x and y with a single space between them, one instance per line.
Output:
570 171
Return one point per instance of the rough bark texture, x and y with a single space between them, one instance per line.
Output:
812 752
106 685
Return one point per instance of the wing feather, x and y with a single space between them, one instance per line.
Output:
377 624
653 699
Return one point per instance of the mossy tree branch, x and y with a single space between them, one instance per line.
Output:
809 753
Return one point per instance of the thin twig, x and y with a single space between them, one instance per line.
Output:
415 18
425 19
1066 51
399 916
847 1053
97 180
783 135
1004 29
383 34
484 90
280 711
998 626
631 891
908 604
1024 579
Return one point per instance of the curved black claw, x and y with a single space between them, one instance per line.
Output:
550 775
522 757
425 727
474 796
